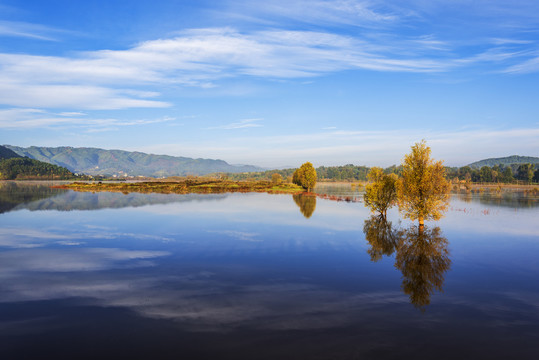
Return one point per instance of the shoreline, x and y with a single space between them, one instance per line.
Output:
185 187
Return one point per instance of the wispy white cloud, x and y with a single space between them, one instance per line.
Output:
118 79
72 113
26 94
498 55
26 118
509 41
430 42
113 79
327 12
242 124
197 57
528 66
28 30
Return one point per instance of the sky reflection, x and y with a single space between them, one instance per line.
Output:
254 262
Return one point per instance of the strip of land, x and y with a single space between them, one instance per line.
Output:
186 187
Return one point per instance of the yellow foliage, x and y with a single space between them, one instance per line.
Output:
305 176
423 258
381 193
276 179
423 191
306 203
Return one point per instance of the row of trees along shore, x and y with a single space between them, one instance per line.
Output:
508 174
515 173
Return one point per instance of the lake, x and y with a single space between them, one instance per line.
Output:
259 276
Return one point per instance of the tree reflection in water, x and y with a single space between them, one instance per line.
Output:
422 256
306 203
381 236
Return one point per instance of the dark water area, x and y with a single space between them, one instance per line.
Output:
259 276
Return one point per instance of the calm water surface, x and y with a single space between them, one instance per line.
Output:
258 276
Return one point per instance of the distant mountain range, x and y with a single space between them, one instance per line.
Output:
506 161
93 161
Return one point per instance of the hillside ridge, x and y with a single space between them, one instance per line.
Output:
121 163
6 153
507 160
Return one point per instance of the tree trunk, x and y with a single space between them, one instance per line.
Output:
421 221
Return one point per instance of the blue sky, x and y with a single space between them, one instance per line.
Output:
273 83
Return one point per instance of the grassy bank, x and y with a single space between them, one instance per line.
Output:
186 187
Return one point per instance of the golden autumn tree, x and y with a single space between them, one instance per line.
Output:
276 179
381 193
305 176
423 191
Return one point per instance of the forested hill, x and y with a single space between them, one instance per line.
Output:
15 167
93 161
509 160
6 153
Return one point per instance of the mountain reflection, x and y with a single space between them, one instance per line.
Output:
306 203
18 196
14 194
422 256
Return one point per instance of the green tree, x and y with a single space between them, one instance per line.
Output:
485 174
423 191
381 193
525 172
465 173
507 175
305 176
497 173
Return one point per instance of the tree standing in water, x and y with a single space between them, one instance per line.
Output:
381 194
423 191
